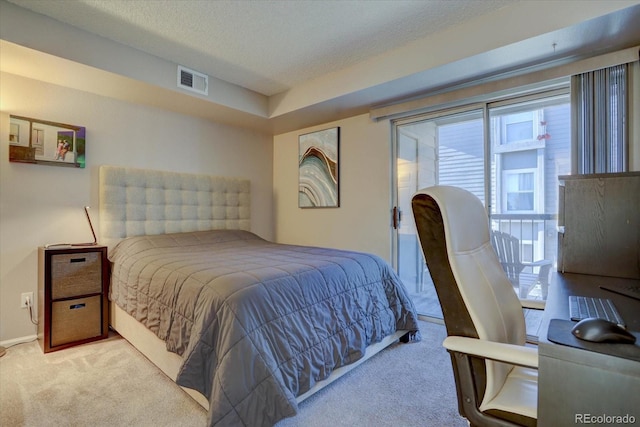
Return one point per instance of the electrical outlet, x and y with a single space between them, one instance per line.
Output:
23 299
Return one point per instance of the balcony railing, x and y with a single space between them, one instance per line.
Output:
537 233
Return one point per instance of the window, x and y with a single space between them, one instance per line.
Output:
518 127
519 191
513 129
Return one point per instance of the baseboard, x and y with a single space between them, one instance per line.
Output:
20 340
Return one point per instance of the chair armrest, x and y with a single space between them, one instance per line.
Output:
538 263
500 352
534 304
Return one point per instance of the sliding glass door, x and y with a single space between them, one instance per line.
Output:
509 154
530 142
439 149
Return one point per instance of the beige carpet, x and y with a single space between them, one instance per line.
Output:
108 383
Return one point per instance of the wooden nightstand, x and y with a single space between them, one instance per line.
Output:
72 296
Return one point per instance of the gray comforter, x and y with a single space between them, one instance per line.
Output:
257 323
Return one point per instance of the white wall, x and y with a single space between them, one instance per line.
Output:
43 204
362 220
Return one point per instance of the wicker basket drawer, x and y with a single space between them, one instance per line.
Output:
76 274
75 320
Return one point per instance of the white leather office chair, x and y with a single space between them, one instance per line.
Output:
495 373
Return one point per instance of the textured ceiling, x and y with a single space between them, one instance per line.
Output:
267 46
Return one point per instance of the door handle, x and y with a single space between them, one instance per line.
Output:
396 217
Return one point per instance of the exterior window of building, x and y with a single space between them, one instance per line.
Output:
519 191
518 127
520 130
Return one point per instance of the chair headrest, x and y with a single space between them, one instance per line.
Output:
463 214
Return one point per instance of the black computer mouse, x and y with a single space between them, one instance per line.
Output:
601 330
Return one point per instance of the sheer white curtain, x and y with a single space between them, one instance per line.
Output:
600 108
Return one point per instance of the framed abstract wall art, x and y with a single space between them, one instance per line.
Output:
318 169
44 142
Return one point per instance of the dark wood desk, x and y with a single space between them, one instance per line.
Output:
578 385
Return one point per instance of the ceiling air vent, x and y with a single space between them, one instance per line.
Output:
193 80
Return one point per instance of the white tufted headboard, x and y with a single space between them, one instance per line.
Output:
136 202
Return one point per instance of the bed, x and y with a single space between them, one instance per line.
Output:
248 327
